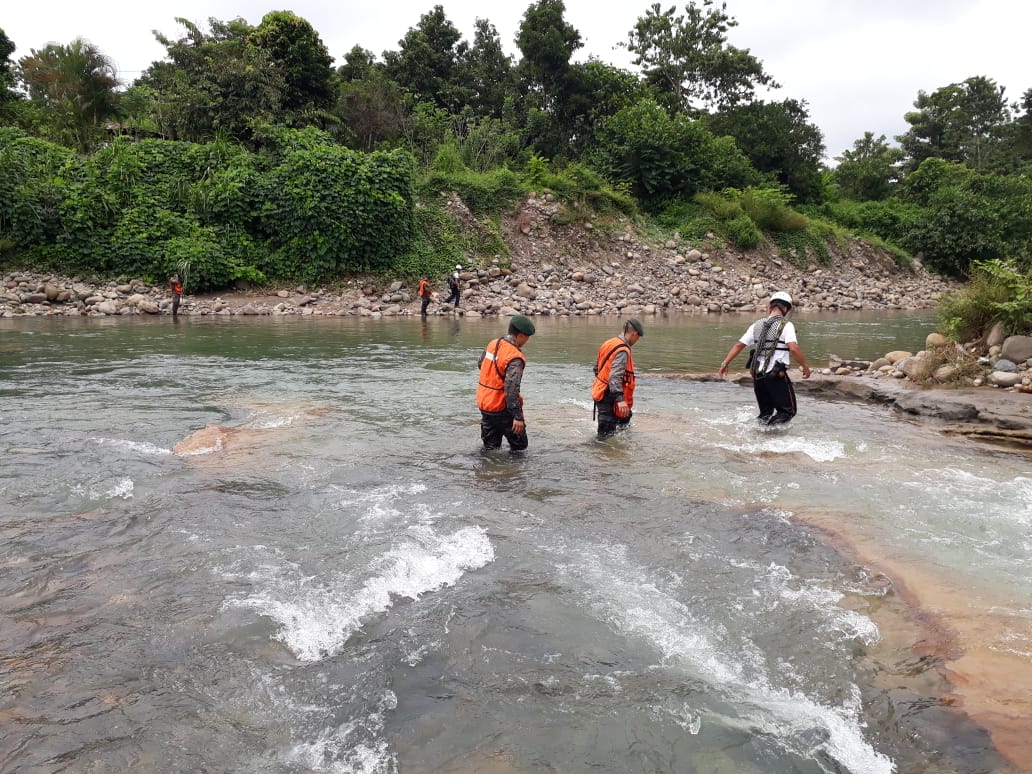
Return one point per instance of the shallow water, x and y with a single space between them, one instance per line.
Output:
349 584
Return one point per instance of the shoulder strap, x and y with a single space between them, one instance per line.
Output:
602 363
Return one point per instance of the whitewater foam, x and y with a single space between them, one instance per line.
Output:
137 447
316 619
623 595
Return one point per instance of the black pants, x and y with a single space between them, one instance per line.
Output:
775 396
495 426
176 298
608 421
453 297
426 303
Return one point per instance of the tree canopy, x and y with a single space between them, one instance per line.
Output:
684 120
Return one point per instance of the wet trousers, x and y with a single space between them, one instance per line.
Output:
775 396
608 421
497 425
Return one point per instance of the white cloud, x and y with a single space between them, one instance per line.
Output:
859 64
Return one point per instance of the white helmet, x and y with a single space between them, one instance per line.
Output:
458 266
783 297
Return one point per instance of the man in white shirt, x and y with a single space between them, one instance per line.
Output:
775 345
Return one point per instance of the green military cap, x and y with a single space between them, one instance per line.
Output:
522 324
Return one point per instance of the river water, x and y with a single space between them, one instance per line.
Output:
349 584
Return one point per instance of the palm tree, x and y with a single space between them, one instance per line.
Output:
75 87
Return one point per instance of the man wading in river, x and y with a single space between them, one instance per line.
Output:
498 393
613 388
774 342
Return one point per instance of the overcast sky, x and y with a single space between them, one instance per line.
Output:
858 63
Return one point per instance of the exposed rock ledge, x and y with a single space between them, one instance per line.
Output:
984 413
977 412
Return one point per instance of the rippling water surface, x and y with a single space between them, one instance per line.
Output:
344 582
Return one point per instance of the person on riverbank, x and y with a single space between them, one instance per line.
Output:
175 287
453 286
613 388
498 391
424 293
774 346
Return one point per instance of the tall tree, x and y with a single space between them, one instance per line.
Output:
870 170
666 157
962 122
427 63
779 140
489 71
7 75
215 84
1021 133
604 91
75 84
547 78
297 49
547 43
689 60
374 108
357 64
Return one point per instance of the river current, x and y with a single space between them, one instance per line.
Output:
342 581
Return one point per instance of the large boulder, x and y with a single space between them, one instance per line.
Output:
1004 378
897 355
1017 348
995 336
909 365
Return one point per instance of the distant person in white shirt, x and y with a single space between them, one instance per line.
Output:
453 287
774 344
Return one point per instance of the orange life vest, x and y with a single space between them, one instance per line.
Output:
491 389
424 288
604 365
176 288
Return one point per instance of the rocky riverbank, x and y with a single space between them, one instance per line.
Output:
584 268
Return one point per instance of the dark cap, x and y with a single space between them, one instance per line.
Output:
522 324
635 323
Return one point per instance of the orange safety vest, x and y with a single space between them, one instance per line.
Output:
604 365
491 389
176 288
424 288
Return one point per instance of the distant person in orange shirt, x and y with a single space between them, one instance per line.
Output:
424 293
175 286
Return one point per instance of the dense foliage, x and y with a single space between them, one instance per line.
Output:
243 153
999 291
302 208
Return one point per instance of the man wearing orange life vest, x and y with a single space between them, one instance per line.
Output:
613 388
176 288
424 293
498 392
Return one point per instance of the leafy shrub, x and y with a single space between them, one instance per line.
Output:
482 192
436 245
770 211
726 206
330 210
33 178
999 291
891 219
448 160
742 232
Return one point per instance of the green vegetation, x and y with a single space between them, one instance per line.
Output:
244 154
999 291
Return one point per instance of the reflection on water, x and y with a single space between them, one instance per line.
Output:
348 583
